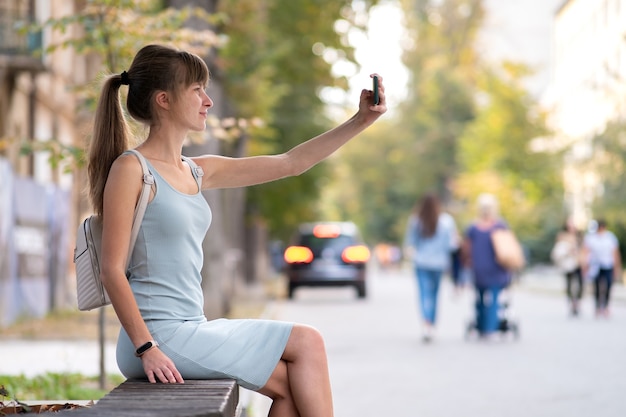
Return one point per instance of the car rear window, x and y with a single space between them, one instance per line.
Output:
316 244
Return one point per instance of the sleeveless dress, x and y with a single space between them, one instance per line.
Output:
164 274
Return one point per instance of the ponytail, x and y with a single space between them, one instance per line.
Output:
110 140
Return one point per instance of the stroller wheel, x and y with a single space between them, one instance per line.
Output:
515 330
504 325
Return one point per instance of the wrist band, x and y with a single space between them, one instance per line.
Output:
146 347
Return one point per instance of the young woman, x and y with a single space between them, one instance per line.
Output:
165 336
430 238
566 255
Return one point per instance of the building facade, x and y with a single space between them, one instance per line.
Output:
587 90
42 199
39 117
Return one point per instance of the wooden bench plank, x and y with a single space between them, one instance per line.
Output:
194 398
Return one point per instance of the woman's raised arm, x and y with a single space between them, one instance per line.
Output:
225 172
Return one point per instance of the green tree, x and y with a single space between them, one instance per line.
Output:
609 164
277 57
110 32
500 154
376 182
466 127
415 151
442 62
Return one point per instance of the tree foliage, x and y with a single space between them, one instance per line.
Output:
415 151
373 182
275 64
442 62
110 32
497 156
609 165
466 127
273 60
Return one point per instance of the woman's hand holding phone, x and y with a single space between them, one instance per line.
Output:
372 103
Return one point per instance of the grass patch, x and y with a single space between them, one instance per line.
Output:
57 386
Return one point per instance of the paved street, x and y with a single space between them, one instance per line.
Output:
561 366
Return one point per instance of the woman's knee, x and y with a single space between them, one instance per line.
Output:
304 339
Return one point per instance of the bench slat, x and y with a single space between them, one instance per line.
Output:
194 398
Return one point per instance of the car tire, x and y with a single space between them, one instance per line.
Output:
290 291
361 291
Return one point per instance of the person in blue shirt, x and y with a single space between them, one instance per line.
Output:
430 239
490 278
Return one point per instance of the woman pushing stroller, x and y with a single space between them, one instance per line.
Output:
490 278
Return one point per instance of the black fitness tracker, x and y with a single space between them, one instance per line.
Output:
146 347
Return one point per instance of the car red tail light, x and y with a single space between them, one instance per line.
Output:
356 254
298 254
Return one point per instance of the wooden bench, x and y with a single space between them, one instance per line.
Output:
194 398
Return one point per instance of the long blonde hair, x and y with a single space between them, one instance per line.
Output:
155 68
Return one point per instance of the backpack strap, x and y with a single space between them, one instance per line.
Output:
140 210
196 171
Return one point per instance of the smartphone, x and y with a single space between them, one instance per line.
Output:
376 97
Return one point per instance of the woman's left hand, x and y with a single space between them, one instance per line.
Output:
367 109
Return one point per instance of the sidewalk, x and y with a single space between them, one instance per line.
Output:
36 357
548 279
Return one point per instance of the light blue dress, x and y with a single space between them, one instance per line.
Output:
164 275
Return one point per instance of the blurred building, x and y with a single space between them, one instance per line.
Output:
42 201
587 89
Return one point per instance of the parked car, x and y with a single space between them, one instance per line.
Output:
326 254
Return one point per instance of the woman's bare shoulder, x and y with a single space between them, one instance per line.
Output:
124 168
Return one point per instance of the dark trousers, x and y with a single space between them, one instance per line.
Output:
602 287
574 284
455 267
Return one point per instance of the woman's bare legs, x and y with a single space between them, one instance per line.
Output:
300 384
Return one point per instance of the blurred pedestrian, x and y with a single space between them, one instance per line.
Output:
602 263
429 242
489 277
456 266
566 255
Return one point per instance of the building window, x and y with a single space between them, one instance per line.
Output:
16 14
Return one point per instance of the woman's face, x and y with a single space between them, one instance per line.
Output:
192 106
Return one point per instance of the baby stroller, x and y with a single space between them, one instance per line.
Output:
506 325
